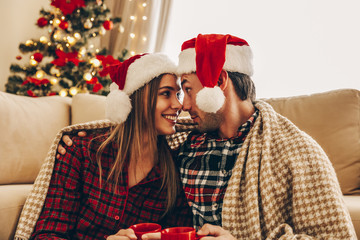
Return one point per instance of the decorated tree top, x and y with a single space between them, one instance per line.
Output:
66 61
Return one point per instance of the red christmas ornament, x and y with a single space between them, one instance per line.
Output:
97 87
38 57
19 57
64 25
42 22
108 25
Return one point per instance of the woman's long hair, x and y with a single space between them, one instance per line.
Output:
128 137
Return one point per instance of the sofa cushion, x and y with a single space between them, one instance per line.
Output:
11 203
353 205
333 120
87 107
28 127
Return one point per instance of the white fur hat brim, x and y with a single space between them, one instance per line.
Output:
146 68
237 59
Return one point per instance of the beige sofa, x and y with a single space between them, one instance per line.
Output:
28 126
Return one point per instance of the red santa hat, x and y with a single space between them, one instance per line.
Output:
207 55
129 76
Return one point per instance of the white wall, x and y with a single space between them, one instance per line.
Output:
18 19
299 46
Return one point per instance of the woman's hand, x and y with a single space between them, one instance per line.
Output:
214 232
68 142
152 236
123 234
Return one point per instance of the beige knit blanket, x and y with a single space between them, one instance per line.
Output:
283 186
280 183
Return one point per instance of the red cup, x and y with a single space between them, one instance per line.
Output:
142 228
179 233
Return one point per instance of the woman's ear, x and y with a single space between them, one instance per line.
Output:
223 79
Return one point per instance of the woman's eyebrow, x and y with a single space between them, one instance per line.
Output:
169 87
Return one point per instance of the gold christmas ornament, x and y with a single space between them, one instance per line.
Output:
73 91
40 74
29 43
56 22
54 80
71 40
60 47
33 62
43 39
88 24
95 62
57 35
87 76
63 92
77 35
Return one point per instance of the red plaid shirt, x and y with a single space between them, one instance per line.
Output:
76 207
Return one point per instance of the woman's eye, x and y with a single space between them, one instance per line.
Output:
166 93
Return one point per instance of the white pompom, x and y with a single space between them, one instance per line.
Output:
118 106
210 99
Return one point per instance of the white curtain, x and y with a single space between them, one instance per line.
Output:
142 28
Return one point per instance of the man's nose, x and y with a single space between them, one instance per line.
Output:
186 103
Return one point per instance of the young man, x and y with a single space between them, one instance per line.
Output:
248 172
247 168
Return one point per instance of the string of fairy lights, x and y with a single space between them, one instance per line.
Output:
58 24
133 19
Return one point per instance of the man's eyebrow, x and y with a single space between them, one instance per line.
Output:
184 81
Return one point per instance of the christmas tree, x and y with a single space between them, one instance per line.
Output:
66 62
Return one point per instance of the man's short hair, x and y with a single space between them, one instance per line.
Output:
244 86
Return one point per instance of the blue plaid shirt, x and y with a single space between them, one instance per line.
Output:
206 162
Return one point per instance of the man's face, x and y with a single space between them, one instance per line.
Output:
191 85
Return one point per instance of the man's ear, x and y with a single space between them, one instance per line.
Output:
223 79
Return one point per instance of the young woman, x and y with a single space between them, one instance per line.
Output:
121 174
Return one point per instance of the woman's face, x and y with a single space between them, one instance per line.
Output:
168 106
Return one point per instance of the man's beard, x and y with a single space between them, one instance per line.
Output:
210 122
